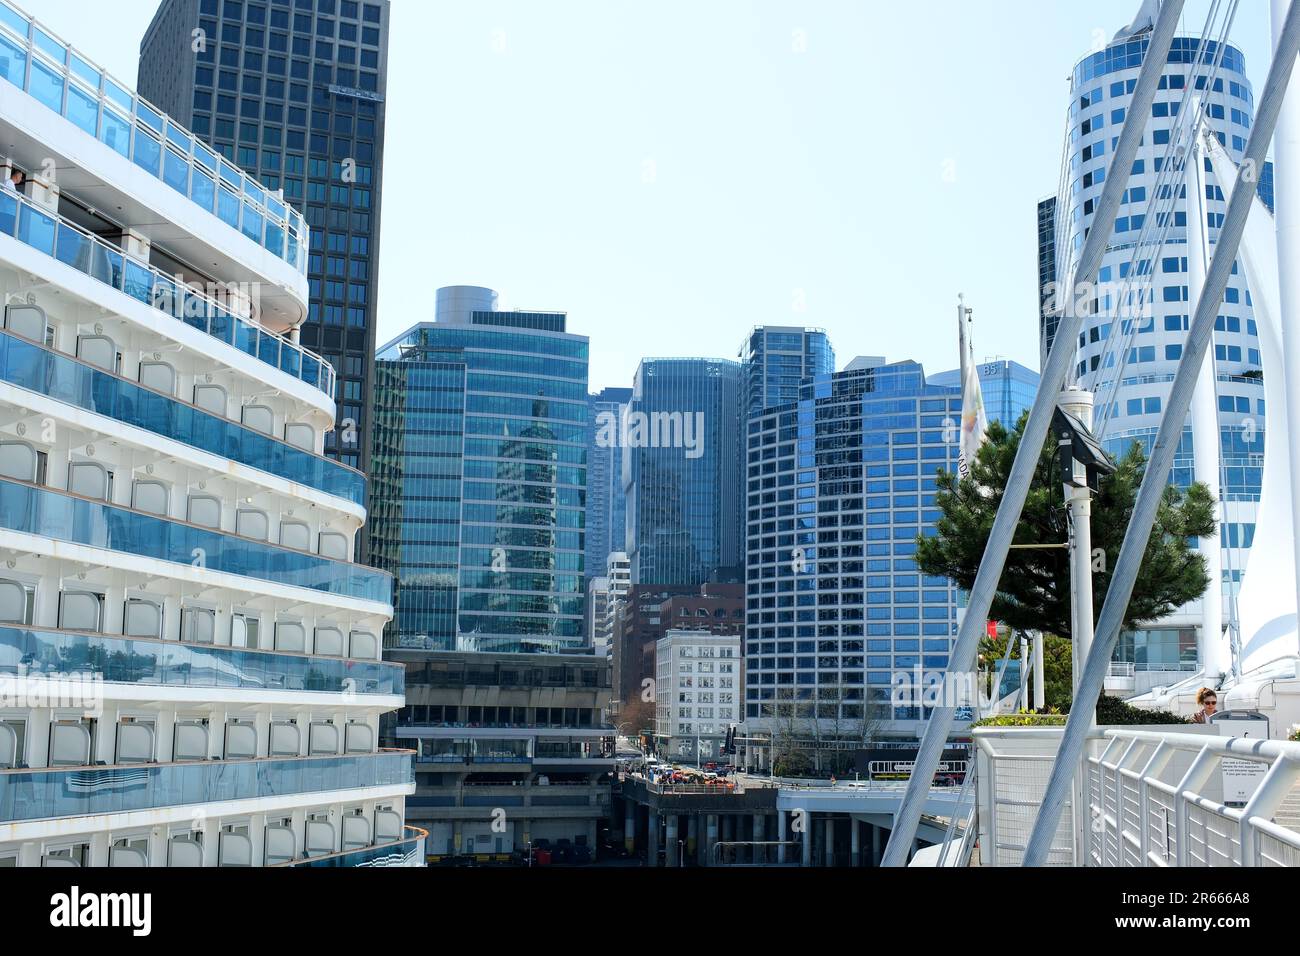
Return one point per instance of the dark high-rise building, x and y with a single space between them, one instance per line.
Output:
1047 319
294 95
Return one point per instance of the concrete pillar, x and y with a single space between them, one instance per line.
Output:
136 243
652 837
692 834
710 838
875 845
830 841
629 825
672 852
780 835
760 834
807 840
855 850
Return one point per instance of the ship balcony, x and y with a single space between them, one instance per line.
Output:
148 416
156 177
408 851
155 668
66 792
206 554
350 832
35 227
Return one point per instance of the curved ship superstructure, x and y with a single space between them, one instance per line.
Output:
190 662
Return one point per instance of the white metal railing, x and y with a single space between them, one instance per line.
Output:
1011 772
1158 799
959 839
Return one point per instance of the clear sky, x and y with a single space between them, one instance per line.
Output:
673 173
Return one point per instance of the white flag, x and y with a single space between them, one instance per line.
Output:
974 423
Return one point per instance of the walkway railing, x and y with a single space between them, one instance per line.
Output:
1167 800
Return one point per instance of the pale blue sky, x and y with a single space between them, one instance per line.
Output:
671 174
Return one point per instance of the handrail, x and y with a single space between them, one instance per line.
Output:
966 839
133 277
58 654
77 361
363 571
1136 764
380 752
113 99
418 836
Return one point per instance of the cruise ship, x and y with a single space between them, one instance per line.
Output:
190 659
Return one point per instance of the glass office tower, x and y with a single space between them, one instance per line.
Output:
606 501
777 358
294 95
839 486
1008 388
480 478
682 471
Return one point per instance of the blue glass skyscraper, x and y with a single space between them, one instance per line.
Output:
480 477
777 358
839 486
682 471
1008 388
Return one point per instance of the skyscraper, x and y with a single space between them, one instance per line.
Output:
189 648
682 471
1047 318
776 359
1008 388
294 95
1133 381
606 500
840 484
480 477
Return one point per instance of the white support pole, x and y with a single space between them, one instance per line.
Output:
1079 403
1024 672
1040 692
1205 418
1286 216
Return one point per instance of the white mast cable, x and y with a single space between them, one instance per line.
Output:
1165 198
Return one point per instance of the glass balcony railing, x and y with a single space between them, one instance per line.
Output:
58 77
46 372
409 851
75 792
55 514
35 226
35 652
